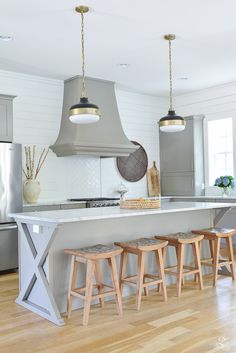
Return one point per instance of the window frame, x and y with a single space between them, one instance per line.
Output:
217 116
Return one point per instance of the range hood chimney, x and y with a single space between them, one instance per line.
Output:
105 138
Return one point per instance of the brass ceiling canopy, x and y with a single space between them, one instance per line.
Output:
82 9
83 112
169 36
171 122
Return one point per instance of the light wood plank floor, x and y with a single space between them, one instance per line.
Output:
198 322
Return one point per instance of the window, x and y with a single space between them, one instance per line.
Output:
220 148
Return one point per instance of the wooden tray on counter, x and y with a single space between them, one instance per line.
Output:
140 203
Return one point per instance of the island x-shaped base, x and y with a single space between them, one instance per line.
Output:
37 253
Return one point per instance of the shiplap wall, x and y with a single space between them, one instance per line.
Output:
37 114
218 101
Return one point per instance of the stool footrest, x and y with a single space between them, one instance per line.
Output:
129 277
152 276
222 262
191 271
130 283
77 293
104 294
100 285
156 279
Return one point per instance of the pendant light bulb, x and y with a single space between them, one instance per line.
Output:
171 122
83 112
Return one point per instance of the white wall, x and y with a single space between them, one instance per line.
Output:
37 114
218 101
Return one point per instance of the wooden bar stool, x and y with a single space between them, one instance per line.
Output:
214 236
141 247
179 241
91 256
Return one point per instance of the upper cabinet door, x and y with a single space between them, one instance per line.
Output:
6 118
177 150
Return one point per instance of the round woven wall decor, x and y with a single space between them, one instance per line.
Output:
133 167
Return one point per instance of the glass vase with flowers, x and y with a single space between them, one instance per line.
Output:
226 183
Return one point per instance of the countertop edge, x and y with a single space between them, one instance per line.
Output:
124 213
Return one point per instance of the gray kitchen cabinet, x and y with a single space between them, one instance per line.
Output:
177 183
71 206
66 206
177 150
6 118
36 208
182 159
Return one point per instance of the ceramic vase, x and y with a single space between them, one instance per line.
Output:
225 192
31 190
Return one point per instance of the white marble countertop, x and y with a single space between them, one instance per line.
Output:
87 214
201 197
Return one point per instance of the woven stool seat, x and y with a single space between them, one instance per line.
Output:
95 250
180 237
215 232
143 244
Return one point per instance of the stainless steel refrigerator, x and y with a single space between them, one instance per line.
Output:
10 201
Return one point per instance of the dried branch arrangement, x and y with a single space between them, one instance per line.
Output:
30 171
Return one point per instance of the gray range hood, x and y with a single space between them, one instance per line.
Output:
105 138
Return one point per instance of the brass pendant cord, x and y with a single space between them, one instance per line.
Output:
83 93
170 75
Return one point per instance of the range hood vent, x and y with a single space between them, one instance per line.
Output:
105 138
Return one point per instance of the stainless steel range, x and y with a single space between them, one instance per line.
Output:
99 201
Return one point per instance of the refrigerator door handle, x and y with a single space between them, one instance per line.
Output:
8 227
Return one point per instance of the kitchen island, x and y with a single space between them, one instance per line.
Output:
44 268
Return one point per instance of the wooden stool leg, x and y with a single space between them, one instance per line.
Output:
196 253
145 288
89 289
199 244
123 262
72 283
180 264
160 264
141 265
98 276
211 247
112 264
231 255
164 251
176 251
216 260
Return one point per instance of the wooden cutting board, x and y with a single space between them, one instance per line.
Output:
153 180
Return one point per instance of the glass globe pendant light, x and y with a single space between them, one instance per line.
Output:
83 112
171 122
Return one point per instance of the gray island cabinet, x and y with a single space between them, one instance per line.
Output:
44 267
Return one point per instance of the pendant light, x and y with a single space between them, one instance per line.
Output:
83 112
171 122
